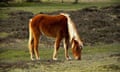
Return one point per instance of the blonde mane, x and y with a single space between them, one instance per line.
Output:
73 33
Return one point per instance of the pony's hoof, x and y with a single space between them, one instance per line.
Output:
68 58
38 59
32 59
55 59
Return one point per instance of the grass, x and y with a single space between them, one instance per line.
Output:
4 34
50 7
98 58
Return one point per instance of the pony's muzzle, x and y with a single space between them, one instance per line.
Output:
78 58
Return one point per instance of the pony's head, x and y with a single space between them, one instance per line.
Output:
76 49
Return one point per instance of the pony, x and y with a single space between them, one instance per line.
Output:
61 27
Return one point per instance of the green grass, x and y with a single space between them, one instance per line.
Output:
49 7
4 34
55 7
98 58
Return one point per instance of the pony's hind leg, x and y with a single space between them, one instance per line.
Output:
31 42
36 35
31 49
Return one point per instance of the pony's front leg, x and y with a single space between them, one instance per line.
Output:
56 47
66 43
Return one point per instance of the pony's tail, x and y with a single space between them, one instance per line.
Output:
30 34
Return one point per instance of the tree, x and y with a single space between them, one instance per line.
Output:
5 1
62 1
29 0
76 1
34 1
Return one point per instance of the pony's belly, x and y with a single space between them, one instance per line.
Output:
49 34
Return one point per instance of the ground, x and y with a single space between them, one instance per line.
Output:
99 58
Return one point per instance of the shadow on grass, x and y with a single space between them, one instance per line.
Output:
111 67
7 66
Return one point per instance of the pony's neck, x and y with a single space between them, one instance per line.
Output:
73 33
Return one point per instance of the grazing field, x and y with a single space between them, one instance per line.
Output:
98 25
14 57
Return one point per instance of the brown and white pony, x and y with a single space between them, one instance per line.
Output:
56 26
